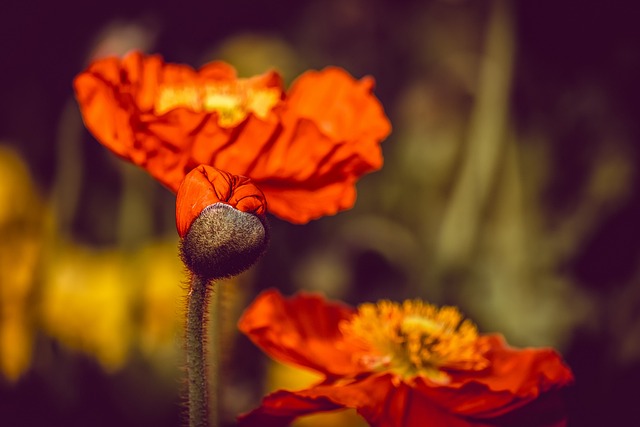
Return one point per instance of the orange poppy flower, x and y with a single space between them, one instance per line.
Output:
408 364
305 149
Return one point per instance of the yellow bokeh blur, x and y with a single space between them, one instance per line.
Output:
107 303
86 300
163 290
21 231
288 377
104 302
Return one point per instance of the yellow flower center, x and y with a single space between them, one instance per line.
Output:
233 101
414 339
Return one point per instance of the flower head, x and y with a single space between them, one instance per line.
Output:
305 149
415 339
220 218
205 186
22 219
401 365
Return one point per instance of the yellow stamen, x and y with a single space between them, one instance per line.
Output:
414 339
233 101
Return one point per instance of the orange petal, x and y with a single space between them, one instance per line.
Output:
514 379
205 185
376 398
102 108
386 404
332 129
234 150
301 204
344 109
302 330
282 407
117 98
524 371
305 175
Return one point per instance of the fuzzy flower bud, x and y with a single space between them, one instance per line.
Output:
221 220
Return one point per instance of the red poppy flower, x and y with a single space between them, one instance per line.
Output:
304 149
408 364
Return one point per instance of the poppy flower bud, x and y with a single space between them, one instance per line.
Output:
221 220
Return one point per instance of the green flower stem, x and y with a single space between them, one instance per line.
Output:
196 356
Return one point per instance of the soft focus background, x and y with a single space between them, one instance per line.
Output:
510 189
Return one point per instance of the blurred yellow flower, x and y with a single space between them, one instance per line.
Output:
159 272
86 303
21 227
288 377
106 303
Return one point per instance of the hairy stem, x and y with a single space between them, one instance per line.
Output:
215 334
196 365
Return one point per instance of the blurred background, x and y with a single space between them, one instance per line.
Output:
510 189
